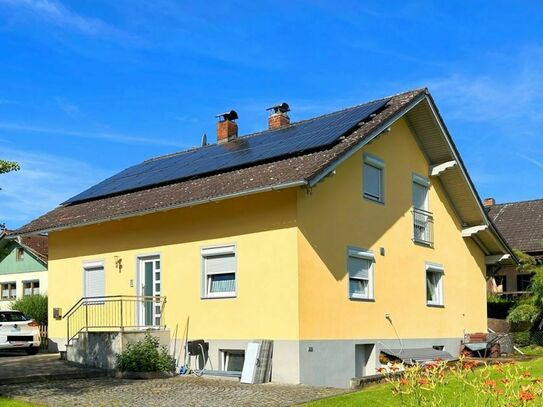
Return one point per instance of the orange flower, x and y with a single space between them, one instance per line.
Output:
526 374
490 383
422 382
499 391
525 395
404 381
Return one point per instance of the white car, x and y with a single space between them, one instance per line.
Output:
17 331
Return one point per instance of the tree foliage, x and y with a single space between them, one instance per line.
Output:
33 306
528 309
8 166
5 167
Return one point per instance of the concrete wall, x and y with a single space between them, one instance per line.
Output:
100 349
334 362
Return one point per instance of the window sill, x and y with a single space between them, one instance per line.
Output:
423 244
218 297
435 305
362 299
374 200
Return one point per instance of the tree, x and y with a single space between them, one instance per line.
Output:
529 308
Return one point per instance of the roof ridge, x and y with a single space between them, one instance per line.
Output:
517 202
345 109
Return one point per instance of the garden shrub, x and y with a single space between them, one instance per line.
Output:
33 306
145 356
522 338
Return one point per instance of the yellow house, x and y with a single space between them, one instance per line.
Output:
337 238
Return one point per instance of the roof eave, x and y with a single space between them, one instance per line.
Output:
277 187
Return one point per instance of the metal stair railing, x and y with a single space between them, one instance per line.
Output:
116 312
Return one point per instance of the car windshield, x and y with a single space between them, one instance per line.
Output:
12 317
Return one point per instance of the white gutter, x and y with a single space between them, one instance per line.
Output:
253 191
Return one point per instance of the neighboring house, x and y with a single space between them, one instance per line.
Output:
23 267
521 225
336 237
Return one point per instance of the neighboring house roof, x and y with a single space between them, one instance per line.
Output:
521 224
299 168
35 244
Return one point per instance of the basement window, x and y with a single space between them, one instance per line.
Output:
232 360
373 178
360 264
219 272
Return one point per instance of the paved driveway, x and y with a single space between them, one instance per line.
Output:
19 367
178 391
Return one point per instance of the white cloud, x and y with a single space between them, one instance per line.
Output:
505 94
54 12
66 106
114 137
43 182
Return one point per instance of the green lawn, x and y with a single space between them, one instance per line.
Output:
381 395
7 402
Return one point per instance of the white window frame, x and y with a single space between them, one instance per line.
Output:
226 356
379 165
438 269
90 265
211 251
423 182
365 255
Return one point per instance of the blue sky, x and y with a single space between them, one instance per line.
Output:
90 87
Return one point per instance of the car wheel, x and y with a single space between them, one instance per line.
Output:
32 351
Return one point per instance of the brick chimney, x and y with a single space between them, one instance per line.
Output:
278 116
227 128
489 202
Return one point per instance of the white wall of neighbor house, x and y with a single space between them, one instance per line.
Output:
19 279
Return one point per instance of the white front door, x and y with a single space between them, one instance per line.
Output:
149 286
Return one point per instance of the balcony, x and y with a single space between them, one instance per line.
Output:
423 227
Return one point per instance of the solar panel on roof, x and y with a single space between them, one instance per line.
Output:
294 139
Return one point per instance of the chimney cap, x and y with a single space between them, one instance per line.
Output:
231 115
280 108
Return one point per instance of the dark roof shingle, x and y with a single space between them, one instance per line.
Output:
520 223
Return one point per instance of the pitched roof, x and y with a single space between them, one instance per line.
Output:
279 172
36 244
521 224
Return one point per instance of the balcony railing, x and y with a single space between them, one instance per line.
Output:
114 313
423 227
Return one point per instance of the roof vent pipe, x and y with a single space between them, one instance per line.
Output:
278 116
227 128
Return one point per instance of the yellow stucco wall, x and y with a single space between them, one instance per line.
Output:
292 253
263 229
335 215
